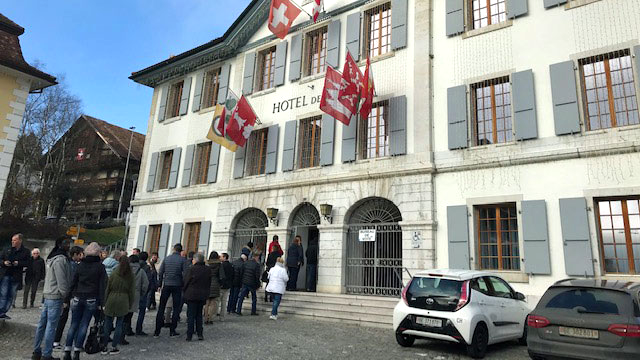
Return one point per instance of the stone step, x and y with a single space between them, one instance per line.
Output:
342 301
336 307
345 315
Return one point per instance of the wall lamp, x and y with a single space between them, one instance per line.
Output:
272 214
325 211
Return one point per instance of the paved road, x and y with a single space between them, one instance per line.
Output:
257 337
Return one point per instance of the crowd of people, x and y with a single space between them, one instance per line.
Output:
109 288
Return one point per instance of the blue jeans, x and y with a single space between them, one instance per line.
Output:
142 310
176 295
276 303
8 290
233 299
82 311
312 270
108 327
46 329
245 290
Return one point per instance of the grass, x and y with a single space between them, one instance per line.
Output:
104 236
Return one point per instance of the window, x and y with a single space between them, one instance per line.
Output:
309 142
491 101
498 237
210 90
374 132
257 152
266 68
487 12
619 222
378 30
154 238
201 163
602 301
480 284
500 288
609 90
173 101
166 158
191 237
315 51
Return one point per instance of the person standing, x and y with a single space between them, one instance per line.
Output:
144 298
170 281
12 263
153 281
247 249
274 254
278 278
225 285
120 297
312 265
87 289
76 253
111 262
197 288
211 307
295 259
141 282
274 243
250 275
237 283
56 288
35 274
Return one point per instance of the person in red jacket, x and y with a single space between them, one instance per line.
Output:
274 243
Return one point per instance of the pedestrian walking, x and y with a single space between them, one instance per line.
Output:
56 288
111 262
35 273
278 278
170 281
153 282
12 264
295 259
217 274
120 297
237 283
197 288
312 265
76 254
275 253
225 285
141 282
250 274
87 290
144 298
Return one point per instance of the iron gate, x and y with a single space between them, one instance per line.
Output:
250 227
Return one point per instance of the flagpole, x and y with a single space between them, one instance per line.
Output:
301 9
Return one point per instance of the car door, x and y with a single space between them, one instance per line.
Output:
510 319
488 305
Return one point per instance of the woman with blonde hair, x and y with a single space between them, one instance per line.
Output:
278 278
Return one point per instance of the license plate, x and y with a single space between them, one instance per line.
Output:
578 333
430 322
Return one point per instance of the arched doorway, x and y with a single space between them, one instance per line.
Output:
304 221
374 248
249 226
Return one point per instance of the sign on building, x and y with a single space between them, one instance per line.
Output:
367 235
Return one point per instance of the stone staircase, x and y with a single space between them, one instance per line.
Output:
361 310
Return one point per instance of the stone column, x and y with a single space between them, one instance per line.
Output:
331 258
221 241
418 247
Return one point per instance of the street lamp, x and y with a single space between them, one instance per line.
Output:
272 214
126 169
325 211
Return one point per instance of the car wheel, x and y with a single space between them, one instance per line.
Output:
478 347
523 340
405 340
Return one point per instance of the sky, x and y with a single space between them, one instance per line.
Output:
96 44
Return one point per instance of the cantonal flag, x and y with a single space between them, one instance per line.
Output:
329 102
221 118
240 126
351 85
368 91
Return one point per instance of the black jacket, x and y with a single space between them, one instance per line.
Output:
36 270
312 254
227 282
197 283
295 255
237 272
271 259
22 256
172 270
250 274
90 280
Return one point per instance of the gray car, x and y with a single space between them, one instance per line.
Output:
586 319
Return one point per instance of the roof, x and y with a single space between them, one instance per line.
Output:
11 54
117 138
600 283
454 273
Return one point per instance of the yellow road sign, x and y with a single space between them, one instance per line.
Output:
78 242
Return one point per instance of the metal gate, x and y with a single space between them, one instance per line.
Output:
250 227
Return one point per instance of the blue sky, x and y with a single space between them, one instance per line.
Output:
98 43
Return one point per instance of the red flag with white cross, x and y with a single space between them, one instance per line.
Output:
329 102
281 17
240 126
351 85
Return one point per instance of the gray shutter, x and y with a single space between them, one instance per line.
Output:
458 237
524 105
349 140
186 91
175 167
247 78
455 17
153 168
457 117
289 145
225 72
205 233
578 260
214 159
552 3
281 60
327 136
353 35
398 125
177 234
333 44
565 98
636 52
197 95
164 96
295 61
535 237
517 8
188 163
272 149
142 232
163 244
398 24
238 163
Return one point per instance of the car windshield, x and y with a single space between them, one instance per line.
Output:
435 287
593 301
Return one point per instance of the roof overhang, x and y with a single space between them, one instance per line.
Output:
37 83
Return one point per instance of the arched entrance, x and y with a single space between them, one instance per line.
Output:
304 221
249 226
374 248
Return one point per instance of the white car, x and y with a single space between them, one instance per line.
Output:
473 308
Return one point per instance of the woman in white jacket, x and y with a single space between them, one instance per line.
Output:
278 278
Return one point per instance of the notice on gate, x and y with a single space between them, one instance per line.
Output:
367 235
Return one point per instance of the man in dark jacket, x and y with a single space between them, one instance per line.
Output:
197 283
312 264
12 263
76 253
142 306
225 285
170 281
236 285
295 259
35 274
250 275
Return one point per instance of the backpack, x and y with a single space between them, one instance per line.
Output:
92 345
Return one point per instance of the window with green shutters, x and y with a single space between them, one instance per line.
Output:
498 246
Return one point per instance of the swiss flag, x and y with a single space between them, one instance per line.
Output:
368 91
351 85
281 17
329 102
241 123
317 7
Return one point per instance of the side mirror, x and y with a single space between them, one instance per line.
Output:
520 296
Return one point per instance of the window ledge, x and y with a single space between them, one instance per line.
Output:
489 146
254 176
374 59
487 29
572 4
172 120
613 130
308 169
311 78
207 110
263 92
511 276
620 277
380 158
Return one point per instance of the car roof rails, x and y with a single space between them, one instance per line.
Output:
564 280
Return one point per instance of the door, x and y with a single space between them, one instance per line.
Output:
510 317
489 305
303 231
